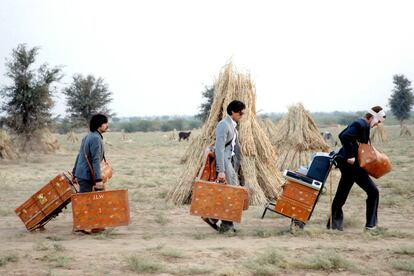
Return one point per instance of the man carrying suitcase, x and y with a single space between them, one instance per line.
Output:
87 169
228 153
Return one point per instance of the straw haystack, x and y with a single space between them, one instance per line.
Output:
49 140
71 137
297 138
269 127
173 136
7 149
378 134
405 131
41 140
258 171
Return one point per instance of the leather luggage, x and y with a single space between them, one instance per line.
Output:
374 162
47 203
296 201
100 209
218 201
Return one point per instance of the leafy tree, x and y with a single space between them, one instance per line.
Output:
205 107
27 101
402 98
87 96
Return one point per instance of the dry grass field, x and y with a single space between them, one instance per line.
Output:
165 239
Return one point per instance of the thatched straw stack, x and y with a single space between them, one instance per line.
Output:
71 137
49 140
269 127
259 172
173 136
41 140
7 149
405 131
297 137
378 134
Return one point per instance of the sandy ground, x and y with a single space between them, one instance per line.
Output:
164 239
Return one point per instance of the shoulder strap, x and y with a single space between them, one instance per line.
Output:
234 131
229 142
89 163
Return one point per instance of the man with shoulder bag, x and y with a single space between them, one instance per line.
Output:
87 170
228 154
358 132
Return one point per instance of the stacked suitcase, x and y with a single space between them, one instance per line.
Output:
90 210
47 203
302 189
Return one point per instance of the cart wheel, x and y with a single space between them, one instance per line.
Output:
296 225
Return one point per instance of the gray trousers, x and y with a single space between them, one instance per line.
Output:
231 175
232 178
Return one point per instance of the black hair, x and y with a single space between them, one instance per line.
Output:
96 121
235 106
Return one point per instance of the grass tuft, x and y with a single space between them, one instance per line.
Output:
8 259
404 265
327 261
382 232
142 264
267 263
40 246
106 234
192 271
172 254
161 219
55 238
58 247
405 250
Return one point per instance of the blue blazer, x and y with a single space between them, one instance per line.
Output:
356 132
92 144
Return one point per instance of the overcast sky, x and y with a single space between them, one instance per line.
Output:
156 56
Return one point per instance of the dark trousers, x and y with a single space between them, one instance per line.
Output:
85 185
349 175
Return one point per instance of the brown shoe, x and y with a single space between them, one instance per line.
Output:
211 222
81 232
97 230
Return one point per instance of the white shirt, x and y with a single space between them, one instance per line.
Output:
233 142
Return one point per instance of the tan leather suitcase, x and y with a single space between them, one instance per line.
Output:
100 209
47 203
296 201
219 201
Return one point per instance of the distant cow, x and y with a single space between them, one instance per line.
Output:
327 136
183 135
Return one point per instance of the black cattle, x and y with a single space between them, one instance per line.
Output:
327 136
183 135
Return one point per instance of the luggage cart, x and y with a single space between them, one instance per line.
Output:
302 189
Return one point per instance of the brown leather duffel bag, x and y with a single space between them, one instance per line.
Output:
375 163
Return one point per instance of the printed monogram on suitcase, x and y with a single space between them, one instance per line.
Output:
100 209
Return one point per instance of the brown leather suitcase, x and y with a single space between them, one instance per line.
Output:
296 201
47 203
100 209
218 201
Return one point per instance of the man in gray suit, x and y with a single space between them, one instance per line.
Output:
228 152
91 151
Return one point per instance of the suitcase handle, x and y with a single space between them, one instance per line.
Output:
94 189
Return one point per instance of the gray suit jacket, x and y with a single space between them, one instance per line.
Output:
93 145
224 135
